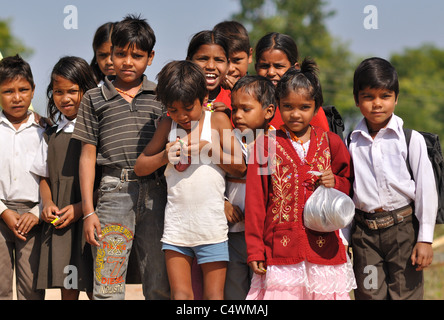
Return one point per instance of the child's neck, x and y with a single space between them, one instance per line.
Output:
195 124
128 86
213 94
302 136
17 122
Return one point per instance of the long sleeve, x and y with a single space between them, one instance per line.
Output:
256 203
340 163
426 196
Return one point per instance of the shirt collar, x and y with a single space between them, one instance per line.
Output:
395 125
66 125
29 122
109 91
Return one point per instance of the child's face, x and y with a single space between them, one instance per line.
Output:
103 58
377 106
212 59
272 64
130 63
238 66
184 115
247 112
297 110
67 96
15 98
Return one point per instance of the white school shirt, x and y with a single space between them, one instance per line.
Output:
235 191
382 179
19 148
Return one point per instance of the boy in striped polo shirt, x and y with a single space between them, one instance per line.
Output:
115 122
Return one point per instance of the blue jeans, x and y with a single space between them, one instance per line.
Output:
121 202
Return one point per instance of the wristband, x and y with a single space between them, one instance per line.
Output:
89 214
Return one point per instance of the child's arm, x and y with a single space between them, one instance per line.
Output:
341 166
87 170
426 200
229 156
156 153
256 200
49 208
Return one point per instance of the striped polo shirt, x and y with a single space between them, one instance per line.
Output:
120 130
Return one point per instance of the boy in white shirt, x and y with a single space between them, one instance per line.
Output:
395 215
19 189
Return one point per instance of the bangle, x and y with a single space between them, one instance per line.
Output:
89 214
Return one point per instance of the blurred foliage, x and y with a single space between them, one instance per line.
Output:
421 81
421 70
9 44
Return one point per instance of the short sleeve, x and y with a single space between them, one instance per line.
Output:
86 128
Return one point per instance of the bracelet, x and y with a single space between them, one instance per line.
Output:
89 214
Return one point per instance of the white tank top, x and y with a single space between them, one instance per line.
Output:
194 214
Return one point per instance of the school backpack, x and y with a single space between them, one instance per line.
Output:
436 158
335 122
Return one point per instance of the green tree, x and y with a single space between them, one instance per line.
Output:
421 82
304 21
10 45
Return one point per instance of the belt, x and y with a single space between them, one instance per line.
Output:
126 175
384 219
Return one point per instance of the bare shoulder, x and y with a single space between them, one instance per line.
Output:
219 120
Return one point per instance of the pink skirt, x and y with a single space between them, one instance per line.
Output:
303 281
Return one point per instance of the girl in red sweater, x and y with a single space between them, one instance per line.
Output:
290 261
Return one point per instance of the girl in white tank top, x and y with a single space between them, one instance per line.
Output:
194 214
195 224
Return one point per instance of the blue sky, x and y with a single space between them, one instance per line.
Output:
40 25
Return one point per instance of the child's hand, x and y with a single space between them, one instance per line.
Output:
69 214
91 224
195 149
233 213
26 222
11 218
327 179
258 267
49 212
422 255
229 82
172 151
222 107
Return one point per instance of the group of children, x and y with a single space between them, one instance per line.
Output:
208 170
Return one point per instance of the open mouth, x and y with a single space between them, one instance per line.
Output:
211 78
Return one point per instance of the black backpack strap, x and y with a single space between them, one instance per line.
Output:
408 136
349 139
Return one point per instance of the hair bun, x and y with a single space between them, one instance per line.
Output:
309 66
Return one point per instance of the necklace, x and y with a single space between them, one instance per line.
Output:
126 93
293 137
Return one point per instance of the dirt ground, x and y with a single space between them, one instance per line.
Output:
132 292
